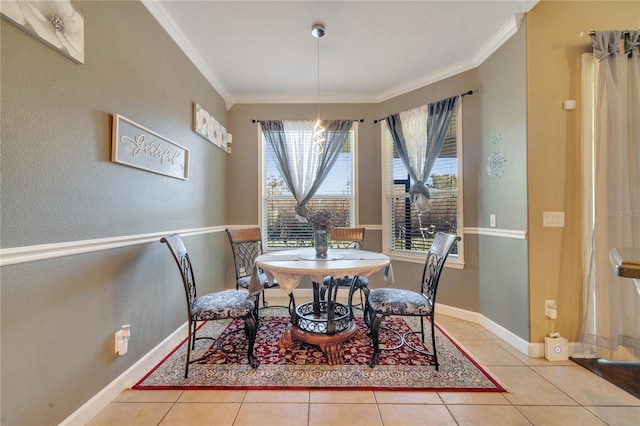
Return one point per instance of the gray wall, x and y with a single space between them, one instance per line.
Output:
503 262
58 185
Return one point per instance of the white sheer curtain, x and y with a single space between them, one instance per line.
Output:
611 327
418 135
302 168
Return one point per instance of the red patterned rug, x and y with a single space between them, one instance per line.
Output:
302 366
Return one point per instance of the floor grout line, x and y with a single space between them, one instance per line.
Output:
450 406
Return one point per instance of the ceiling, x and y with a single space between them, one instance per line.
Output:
263 51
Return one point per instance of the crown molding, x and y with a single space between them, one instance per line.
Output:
157 11
504 33
169 25
303 99
426 80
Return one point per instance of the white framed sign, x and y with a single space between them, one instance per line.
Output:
208 127
139 147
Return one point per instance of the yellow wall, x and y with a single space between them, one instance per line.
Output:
554 150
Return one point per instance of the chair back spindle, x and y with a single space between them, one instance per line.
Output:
180 255
246 244
436 258
434 263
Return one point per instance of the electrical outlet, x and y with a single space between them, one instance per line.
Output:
118 340
551 309
492 221
122 337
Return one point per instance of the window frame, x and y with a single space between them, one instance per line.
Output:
262 213
454 260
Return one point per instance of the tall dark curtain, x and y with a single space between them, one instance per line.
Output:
418 135
303 169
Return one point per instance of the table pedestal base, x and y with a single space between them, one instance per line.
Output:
330 344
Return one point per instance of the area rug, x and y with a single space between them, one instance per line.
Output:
302 366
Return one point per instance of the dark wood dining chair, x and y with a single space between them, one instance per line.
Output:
228 304
384 302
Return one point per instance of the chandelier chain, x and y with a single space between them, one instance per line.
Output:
318 137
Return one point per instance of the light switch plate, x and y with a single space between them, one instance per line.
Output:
553 219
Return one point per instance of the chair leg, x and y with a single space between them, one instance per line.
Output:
376 321
364 296
352 290
193 334
292 306
251 330
191 341
433 342
361 292
366 312
264 300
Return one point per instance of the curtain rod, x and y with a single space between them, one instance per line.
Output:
469 92
359 120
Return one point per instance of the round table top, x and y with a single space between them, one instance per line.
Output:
290 266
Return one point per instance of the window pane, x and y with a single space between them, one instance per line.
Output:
280 226
410 231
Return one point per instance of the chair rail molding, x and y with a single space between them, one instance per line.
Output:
15 255
497 232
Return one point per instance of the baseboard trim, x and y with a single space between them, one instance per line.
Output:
531 350
131 376
458 313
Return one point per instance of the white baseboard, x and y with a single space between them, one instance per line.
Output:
102 399
462 314
532 350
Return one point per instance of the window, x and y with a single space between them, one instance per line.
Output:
280 226
408 234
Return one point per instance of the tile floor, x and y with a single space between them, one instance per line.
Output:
540 393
